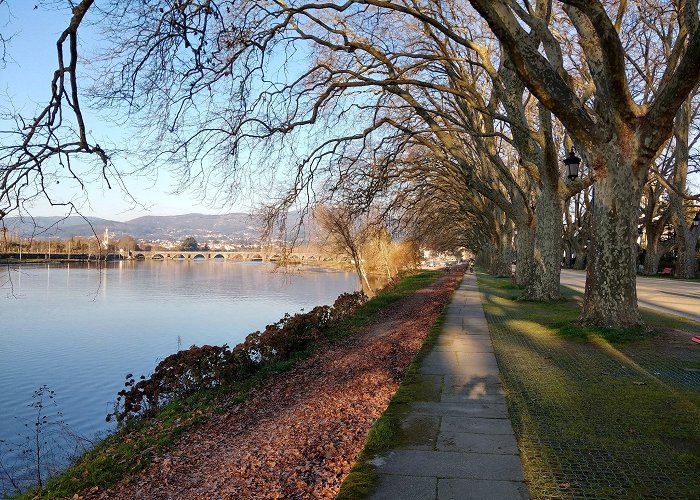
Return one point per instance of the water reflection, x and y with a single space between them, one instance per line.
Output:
81 328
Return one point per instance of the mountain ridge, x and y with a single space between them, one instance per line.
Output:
236 226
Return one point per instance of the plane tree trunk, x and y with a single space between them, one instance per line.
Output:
543 284
524 248
652 257
686 234
611 281
503 254
687 248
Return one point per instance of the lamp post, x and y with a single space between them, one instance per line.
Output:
696 219
572 163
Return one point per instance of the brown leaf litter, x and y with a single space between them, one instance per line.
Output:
297 435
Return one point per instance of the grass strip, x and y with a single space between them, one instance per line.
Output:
598 413
388 432
406 286
134 446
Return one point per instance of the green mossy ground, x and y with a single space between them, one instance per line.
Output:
598 413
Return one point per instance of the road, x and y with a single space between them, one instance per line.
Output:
669 296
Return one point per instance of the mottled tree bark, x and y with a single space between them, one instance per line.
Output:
581 260
524 246
652 256
503 262
686 237
611 280
687 248
544 280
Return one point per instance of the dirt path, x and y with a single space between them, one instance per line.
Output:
298 435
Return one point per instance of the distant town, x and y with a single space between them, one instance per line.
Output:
51 238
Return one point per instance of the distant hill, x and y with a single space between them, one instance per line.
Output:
238 227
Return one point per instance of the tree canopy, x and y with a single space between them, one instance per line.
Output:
189 244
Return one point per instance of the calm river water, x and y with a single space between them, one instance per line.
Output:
80 329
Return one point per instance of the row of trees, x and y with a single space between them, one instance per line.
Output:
14 243
448 118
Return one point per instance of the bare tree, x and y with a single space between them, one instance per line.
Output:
42 150
4 36
345 235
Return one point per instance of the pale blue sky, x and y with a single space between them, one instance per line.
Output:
25 83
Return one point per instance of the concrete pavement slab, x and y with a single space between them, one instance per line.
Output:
449 464
489 384
471 489
391 487
466 409
480 343
504 444
492 426
420 432
440 362
472 396
461 445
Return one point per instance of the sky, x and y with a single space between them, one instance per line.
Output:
25 82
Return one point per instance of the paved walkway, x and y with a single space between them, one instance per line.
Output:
462 444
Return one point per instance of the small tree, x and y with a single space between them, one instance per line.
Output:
189 244
344 235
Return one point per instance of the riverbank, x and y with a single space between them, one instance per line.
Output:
313 415
39 258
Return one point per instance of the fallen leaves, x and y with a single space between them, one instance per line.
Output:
298 435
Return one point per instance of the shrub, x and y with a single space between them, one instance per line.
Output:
176 376
207 366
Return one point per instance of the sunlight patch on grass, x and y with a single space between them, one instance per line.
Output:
529 328
602 411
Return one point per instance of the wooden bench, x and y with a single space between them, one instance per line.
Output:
666 270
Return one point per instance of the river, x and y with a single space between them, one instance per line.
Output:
79 329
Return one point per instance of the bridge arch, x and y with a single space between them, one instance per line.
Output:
256 258
158 256
199 256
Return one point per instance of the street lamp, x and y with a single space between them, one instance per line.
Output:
572 163
696 219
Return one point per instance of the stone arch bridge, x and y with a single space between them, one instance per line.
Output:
241 256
